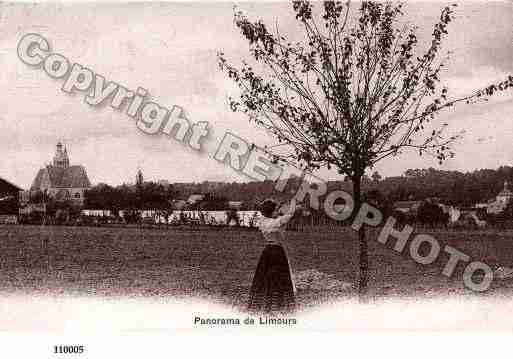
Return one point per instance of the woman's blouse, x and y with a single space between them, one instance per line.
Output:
273 229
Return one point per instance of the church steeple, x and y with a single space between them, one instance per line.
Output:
61 156
139 179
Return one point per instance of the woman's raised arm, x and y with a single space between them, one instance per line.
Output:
289 213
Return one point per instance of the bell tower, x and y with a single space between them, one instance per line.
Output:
61 156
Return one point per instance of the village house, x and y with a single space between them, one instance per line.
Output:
179 204
454 213
61 181
195 198
407 207
9 194
236 205
501 201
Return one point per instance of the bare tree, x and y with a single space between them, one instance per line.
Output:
355 90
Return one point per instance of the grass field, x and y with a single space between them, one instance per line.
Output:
219 263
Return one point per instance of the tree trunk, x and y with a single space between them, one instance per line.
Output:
362 243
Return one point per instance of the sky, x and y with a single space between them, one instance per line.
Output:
170 50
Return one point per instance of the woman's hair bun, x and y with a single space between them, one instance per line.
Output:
267 207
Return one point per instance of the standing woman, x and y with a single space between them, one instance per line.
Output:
272 289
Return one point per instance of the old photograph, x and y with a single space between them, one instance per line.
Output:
256 166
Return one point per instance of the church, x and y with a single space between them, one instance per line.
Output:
60 180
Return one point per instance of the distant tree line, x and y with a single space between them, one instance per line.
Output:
450 187
146 195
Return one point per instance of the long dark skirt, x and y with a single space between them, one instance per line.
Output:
272 289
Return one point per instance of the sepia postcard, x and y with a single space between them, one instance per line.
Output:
256 167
